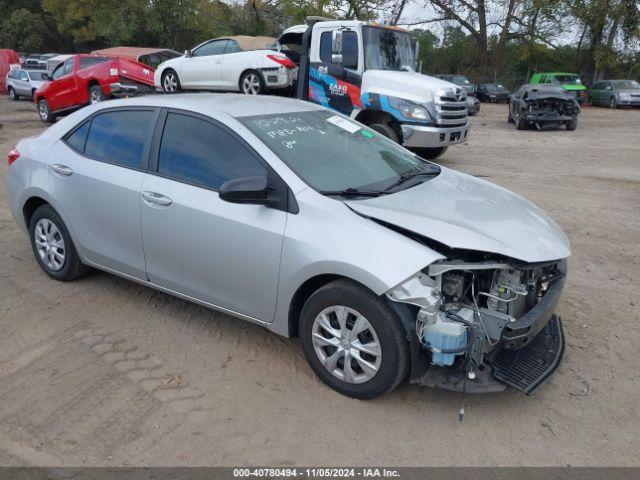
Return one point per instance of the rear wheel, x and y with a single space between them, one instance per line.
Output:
251 83
12 94
52 246
96 95
44 112
353 341
170 82
385 130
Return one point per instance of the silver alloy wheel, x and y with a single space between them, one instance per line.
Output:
50 244
12 94
251 84
170 82
43 111
346 344
95 96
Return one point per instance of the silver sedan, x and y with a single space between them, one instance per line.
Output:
288 215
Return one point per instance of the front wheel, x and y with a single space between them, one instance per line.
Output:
170 82
44 112
430 153
386 130
353 341
613 103
251 83
52 245
521 123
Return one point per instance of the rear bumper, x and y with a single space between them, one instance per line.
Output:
276 78
421 136
120 89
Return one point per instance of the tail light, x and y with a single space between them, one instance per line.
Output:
13 155
284 61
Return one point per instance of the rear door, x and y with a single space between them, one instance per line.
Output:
96 181
195 243
203 69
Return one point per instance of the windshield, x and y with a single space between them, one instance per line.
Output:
386 49
574 79
459 80
626 85
332 153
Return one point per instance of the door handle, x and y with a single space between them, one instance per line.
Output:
61 169
156 198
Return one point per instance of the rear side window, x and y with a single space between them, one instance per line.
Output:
118 137
91 61
78 137
198 152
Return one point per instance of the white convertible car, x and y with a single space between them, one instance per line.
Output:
240 63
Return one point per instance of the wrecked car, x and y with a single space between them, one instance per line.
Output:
547 107
286 214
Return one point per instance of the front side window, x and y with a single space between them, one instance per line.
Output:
349 48
215 47
58 72
332 153
198 152
118 137
24 77
386 49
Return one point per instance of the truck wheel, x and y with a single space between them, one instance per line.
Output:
353 341
12 94
385 130
170 82
572 124
429 153
44 112
251 83
96 95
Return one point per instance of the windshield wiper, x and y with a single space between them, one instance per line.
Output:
409 176
354 192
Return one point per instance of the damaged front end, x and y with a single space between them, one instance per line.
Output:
483 324
548 111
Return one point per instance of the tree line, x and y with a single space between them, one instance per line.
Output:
487 40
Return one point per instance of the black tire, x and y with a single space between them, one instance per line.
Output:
171 81
96 95
252 83
572 124
613 103
44 112
521 123
385 130
394 362
429 153
12 94
71 267
33 93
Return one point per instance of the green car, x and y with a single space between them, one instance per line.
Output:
569 81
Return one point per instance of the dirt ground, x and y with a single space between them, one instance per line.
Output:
105 372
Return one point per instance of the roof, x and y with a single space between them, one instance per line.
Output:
131 52
251 43
233 104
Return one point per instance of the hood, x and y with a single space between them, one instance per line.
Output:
410 85
465 212
573 87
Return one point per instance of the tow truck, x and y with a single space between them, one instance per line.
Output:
367 71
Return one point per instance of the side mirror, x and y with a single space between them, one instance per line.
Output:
187 53
336 47
245 190
45 76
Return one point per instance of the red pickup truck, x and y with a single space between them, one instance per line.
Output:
85 79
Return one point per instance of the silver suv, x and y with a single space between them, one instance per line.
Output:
288 215
23 83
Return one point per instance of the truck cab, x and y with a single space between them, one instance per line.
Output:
367 71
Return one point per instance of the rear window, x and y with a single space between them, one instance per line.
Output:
118 137
91 61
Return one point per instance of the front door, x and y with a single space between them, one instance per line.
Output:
221 253
63 85
96 181
203 69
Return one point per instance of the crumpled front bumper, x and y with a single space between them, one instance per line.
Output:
543 117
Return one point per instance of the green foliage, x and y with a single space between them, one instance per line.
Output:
23 31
